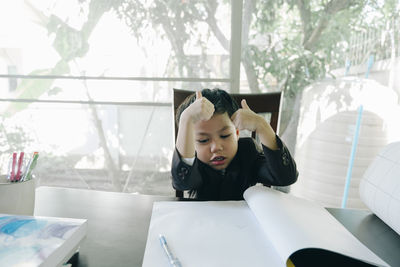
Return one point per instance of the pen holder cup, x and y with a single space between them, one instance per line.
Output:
17 198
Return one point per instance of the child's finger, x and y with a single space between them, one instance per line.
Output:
235 119
244 104
198 95
235 116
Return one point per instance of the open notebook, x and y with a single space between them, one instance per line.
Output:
39 241
266 229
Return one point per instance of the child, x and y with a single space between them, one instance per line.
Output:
212 161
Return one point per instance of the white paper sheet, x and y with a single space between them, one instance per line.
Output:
380 186
208 234
263 231
298 223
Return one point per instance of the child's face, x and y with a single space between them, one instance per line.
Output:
216 141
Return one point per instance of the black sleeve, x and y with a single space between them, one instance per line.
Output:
184 176
276 167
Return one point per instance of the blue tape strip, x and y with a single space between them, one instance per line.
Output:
352 155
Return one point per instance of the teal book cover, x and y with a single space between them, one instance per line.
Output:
39 241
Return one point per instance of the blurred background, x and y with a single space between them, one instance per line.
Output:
88 84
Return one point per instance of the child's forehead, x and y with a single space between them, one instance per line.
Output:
218 122
222 118
224 115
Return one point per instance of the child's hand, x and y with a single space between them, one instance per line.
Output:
245 118
200 110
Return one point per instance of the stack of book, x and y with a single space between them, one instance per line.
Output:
39 241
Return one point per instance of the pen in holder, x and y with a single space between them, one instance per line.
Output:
19 169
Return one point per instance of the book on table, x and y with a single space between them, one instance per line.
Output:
39 241
268 228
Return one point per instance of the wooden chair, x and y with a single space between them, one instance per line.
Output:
259 103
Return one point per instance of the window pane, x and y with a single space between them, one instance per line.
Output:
122 146
116 38
331 61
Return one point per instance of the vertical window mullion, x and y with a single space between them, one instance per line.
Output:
236 44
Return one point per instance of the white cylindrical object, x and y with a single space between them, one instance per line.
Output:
328 116
17 198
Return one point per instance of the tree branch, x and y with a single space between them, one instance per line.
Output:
331 8
212 22
305 15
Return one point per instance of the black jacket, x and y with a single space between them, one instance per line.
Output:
249 167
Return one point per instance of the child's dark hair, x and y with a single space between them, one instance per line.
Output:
223 102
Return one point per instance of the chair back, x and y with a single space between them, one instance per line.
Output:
259 103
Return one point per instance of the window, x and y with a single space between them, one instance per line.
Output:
88 84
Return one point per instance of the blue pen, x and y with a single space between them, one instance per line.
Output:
173 261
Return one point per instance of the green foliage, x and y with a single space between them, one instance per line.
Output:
13 139
303 42
292 57
175 21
